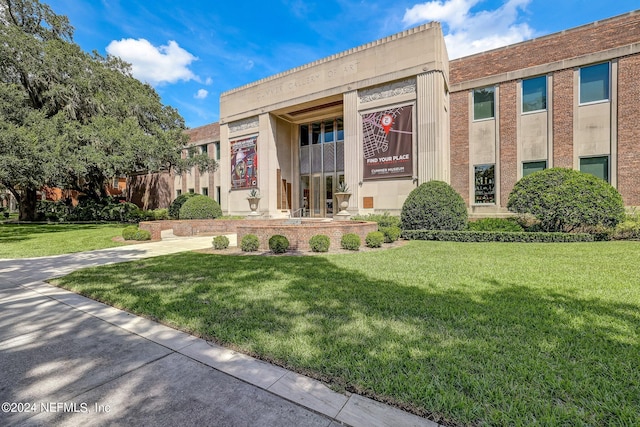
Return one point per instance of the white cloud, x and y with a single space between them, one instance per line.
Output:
154 65
202 94
208 81
469 32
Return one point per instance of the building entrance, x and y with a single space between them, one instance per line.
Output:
321 166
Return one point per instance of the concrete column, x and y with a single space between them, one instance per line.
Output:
431 126
352 147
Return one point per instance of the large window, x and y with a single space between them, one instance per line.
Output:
534 94
485 184
484 103
530 167
598 166
217 147
594 83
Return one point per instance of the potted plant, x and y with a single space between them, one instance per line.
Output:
342 197
254 200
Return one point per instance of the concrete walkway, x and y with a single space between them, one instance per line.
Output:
66 360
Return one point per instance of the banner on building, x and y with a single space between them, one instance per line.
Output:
388 143
244 163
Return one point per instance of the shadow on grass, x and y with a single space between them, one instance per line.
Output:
502 354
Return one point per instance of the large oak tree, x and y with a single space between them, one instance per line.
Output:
71 119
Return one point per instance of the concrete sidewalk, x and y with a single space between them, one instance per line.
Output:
69 360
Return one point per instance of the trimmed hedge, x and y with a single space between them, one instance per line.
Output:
391 234
319 243
350 241
374 239
383 219
250 243
497 236
278 244
434 205
134 233
220 242
174 207
495 224
200 207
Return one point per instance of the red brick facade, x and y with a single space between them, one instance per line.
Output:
629 129
563 119
508 140
459 143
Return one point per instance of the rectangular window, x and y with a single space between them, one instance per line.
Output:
594 83
530 167
218 195
597 166
191 190
205 191
328 131
534 94
484 103
315 133
217 147
340 129
203 149
178 193
485 184
304 135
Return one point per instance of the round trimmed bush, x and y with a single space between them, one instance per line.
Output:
434 205
350 241
320 243
200 207
250 243
374 239
566 200
129 233
142 235
220 242
391 233
278 244
174 207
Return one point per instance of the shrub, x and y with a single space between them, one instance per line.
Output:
142 235
350 241
278 244
220 242
391 234
174 207
629 228
495 224
200 207
496 236
374 239
250 243
383 220
134 233
320 243
434 205
566 199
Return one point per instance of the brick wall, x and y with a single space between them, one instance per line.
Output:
508 140
610 33
563 119
629 130
459 145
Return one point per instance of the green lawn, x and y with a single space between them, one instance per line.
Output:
33 240
464 333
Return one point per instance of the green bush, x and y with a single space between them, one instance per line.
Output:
391 233
374 239
350 241
220 242
174 207
629 228
566 200
134 233
200 207
142 235
434 205
496 236
250 243
495 224
278 244
320 243
383 220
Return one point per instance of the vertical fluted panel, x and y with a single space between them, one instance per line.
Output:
352 144
431 123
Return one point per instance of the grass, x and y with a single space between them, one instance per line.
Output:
34 240
462 333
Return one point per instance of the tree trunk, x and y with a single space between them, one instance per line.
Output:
27 203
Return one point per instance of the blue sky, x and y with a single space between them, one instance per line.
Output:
192 51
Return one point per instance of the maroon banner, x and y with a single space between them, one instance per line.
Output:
244 163
388 143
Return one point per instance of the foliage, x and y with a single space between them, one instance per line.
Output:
278 244
434 205
342 187
254 193
374 239
250 243
319 243
176 204
629 228
496 236
350 241
495 224
132 232
391 233
383 220
566 199
74 120
200 207
220 242
105 209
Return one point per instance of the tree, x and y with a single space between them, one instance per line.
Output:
74 120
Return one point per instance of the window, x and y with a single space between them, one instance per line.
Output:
203 149
328 131
530 167
340 128
191 190
594 83
315 133
217 147
483 103
597 166
218 194
205 191
178 193
304 135
485 184
534 94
